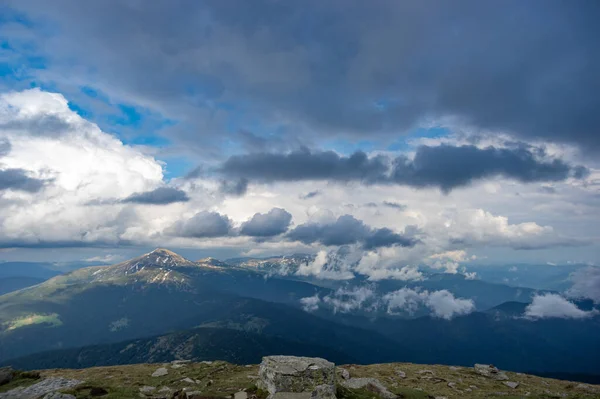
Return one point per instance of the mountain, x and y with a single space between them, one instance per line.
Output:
10 284
235 346
161 292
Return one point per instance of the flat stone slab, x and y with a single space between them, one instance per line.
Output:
40 389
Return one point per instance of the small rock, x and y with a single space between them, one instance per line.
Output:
194 395
240 395
441 397
473 386
511 384
197 381
180 361
206 362
400 373
252 377
160 372
425 372
454 368
488 370
147 389
452 385
165 390
209 383
468 390
345 374
188 380
177 366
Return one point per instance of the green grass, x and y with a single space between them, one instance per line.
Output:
34 318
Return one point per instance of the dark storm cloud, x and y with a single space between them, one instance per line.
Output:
348 230
159 196
273 223
18 179
202 225
305 165
444 166
344 66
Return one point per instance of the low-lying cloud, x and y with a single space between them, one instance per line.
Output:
440 304
555 306
586 284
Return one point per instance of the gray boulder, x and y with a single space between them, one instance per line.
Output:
160 372
489 371
511 384
310 377
370 384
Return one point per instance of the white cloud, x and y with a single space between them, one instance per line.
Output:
84 164
442 304
345 300
555 306
586 284
329 264
310 303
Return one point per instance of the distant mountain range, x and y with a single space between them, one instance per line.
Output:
238 310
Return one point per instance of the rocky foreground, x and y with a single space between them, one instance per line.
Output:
285 377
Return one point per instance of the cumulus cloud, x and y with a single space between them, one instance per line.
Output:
203 224
446 167
158 196
586 284
273 223
74 166
555 306
442 304
347 230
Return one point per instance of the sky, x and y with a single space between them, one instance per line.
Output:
379 135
